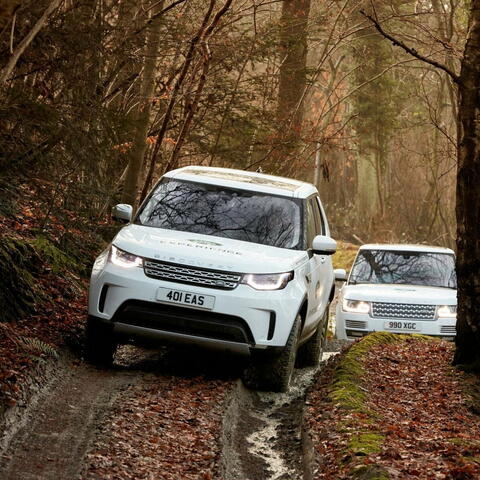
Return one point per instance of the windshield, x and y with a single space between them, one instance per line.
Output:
404 268
215 210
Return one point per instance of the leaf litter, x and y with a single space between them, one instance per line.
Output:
424 426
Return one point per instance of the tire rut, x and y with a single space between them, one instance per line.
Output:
262 435
60 426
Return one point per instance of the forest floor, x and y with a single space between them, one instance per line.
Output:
383 408
387 407
393 407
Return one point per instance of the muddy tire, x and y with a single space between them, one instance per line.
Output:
310 353
273 371
100 345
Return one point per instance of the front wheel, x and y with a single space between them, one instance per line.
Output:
273 371
100 345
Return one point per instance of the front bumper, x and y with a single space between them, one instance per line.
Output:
241 319
355 325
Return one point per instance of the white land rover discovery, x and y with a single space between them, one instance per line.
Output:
219 258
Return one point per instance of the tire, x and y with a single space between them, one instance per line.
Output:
100 345
273 371
310 353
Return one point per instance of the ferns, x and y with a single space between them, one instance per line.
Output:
36 346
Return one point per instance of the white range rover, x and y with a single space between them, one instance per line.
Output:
401 289
219 258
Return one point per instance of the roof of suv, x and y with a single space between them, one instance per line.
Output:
406 248
244 180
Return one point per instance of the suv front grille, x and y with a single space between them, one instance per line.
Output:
448 329
201 277
403 310
185 321
354 324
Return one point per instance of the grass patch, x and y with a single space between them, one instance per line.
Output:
347 389
345 255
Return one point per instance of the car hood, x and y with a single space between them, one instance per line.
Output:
207 251
412 294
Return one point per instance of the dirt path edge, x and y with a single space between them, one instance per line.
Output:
37 384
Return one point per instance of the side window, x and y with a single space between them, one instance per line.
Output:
311 226
324 225
319 228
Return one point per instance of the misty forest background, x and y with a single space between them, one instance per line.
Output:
109 94
376 102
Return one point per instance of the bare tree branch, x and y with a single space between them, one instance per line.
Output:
157 15
7 70
410 50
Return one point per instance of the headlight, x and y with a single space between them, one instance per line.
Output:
447 311
101 261
124 259
355 306
269 281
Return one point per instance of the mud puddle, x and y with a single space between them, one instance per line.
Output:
262 436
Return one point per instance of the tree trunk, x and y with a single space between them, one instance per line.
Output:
292 81
139 147
367 190
376 114
468 198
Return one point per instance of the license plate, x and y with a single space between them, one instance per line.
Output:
185 298
402 325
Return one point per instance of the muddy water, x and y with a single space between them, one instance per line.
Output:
262 437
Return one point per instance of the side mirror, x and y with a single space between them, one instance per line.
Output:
340 274
323 245
122 213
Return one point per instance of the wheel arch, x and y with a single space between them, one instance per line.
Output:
332 293
303 312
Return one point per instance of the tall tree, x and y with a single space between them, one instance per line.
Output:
375 114
468 197
139 147
468 181
292 80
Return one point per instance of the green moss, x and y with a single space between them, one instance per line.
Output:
82 249
51 254
347 389
368 472
365 443
464 442
348 392
19 292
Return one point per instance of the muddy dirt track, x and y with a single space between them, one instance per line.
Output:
259 434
